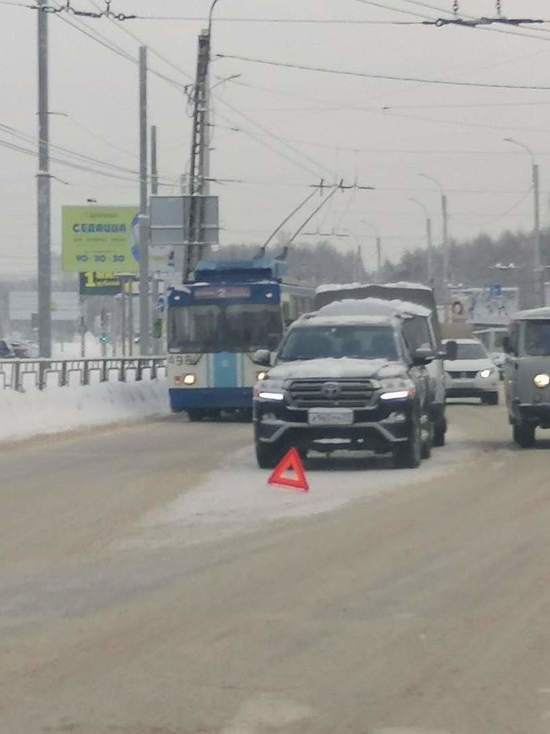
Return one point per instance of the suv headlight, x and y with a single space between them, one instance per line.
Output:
486 373
269 390
542 380
397 389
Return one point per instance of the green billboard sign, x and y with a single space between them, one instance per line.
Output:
100 239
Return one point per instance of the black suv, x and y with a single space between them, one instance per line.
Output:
344 382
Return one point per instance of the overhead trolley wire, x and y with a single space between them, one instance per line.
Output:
387 77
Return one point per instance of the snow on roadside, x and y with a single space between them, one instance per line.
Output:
35 413
236 499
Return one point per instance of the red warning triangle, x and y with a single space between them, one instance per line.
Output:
291 462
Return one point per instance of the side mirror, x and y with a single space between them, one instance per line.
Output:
262 357
423 356
452 350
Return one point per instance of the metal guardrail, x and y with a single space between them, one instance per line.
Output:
15 373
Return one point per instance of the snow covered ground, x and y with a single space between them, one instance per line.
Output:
34 413
236 498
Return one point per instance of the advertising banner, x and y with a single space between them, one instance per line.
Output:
100 239
490 306
99 284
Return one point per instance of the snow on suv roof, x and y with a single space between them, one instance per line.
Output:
352 286
374 307
319 319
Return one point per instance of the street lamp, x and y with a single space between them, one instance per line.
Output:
445 220
428 237
539 271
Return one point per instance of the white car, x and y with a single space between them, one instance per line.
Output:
472 374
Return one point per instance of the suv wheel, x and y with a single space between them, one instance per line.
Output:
268 456
440 429
524 434
427 443
408 455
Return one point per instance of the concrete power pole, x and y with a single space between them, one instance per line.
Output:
44 191
539 270
144 312
155 279
445 217
429 242
198 157
378 259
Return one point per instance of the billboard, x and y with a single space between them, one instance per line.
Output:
489 306
99 284
100 238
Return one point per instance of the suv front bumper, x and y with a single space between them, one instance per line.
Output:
375 429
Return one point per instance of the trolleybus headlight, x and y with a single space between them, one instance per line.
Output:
541 380
189 379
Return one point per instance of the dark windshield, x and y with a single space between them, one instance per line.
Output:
537 338
471 351
356 342
219 328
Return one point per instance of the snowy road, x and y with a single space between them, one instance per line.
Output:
152 583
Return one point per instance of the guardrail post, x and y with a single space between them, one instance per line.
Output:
153 369
63 375
42 372
104 371
85 373
16 377
139 370
122 371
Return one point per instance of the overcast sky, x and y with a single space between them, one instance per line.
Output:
294 126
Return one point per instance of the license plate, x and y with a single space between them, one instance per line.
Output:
330 417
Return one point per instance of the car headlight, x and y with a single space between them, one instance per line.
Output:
261 375
542 380
486 373
397 389
189 379
268 389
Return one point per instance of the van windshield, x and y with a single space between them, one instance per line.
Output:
537 338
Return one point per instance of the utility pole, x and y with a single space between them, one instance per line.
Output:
378 259
155 279
430 251
445 217
539 270
144 313
44 191
198 157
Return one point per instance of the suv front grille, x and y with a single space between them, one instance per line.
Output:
315 393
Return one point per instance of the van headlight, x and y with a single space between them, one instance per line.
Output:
486 373
189 379
541 380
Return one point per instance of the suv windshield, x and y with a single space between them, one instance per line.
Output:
471 351
537 338
356 342
234 328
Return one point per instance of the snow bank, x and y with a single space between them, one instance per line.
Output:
34 413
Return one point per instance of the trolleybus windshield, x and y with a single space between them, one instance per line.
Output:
224 328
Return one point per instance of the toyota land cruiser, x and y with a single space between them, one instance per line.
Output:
344 382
